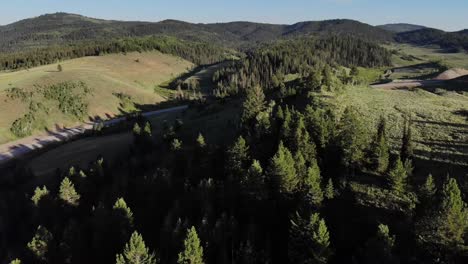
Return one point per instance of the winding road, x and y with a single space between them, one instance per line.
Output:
21 147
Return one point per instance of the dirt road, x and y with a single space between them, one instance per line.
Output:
26 145
409 84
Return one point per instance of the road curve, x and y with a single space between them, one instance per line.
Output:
21 147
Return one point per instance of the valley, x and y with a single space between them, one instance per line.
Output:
319 142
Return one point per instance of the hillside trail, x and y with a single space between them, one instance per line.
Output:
21 147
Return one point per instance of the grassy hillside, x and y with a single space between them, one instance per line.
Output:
439 125
134 75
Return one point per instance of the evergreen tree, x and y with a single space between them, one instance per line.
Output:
176 144
427 191
313 184
136 252
121 207
309 240
351 138
254 183
147 131
379 249
41 243
253 104
39 193
193 251
136 129
60 68
397 177
237 158
329 190
407 141
314 81
301 166
446 225
454 212
302 142
282 170
379 152
201 141
67 192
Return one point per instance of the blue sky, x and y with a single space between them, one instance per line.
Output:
444 14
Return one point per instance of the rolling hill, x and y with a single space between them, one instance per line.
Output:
401 27
63 28
116 82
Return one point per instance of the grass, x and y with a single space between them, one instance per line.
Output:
439 130
134 74
426 54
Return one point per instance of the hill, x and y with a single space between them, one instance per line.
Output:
424 37
63 28
401 27
115 81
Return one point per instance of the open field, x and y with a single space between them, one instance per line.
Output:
440 127
133 74
411 55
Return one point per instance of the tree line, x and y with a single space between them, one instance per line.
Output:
197 52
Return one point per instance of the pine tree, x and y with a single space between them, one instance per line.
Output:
237 158
397 177
176 144
302 142
253 104
351 138
407 141
193 251
282 170
254 183
67 192
454 212
136 129
379 248
329 190
147 131
136 252
121 207
445 225
301 166
40 243
309 240
313 184
39 194
379 152
428 189
60 68
201 141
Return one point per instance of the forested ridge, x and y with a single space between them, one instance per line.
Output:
200 53
312 58
287 178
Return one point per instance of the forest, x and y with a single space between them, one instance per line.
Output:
282 189
198 52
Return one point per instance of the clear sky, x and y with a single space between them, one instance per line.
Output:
444 14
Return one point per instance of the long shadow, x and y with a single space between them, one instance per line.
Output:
441 123
463 113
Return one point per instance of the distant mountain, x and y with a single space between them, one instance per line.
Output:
63 28
401 27
450 41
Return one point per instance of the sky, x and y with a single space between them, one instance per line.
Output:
449 15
